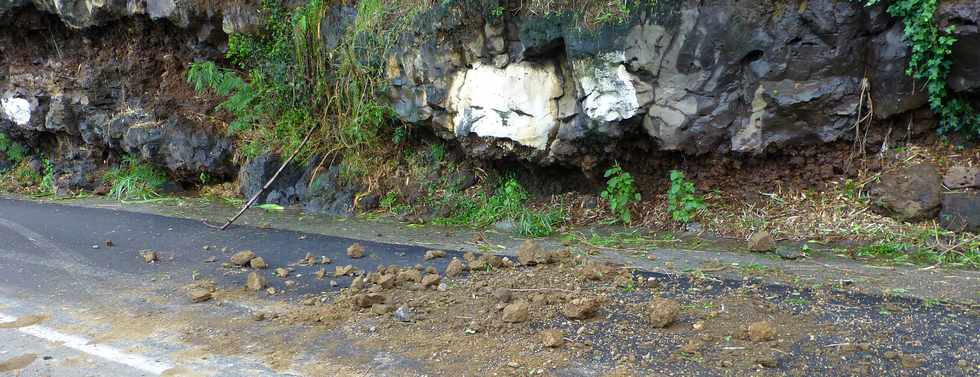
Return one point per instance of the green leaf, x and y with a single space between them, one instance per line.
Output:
271 207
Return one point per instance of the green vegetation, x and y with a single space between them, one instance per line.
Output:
286 81
930 62
682 202
508 202
907 253
620 193
134 180
11 149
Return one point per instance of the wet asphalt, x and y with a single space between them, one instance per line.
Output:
59 255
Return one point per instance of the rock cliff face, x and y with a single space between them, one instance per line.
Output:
91 80
691 76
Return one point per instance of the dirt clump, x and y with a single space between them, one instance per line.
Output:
320 274
502 295
516 312
368 300
355 250
198 295
282 272
761 331
531 253
454 268
258 263
430 280
150 256
381 309
581 308
242 258
761 242
255 282
596 271
433 254
325 259
662 312
553 338
410 276
343 270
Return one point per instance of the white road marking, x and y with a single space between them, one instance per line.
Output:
97 350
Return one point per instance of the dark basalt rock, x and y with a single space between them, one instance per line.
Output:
910 194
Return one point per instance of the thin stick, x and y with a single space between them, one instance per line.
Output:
269 183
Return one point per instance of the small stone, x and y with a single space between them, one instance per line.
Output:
199 295
333 284
282 272
581 308
380 309
95 246
767 361
271 291
910 361
552 338
325 260
108 243
790 253
258 263
343 270
387 281
409 276
357 284
516 312
255 281
242 258
368 300
355 251
431 270
761 242
502 294
433 254
442 287
150 256
404 314
959 177
596 271
430 280
761 331
320 274
211 259
530 253
661 312
454 268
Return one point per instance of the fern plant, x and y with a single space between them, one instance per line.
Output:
682 200
12 149
620 193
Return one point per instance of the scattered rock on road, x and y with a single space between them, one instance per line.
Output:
662 312
553 338
530 253
761 331
454 268
320 274
255 281
430 280
242 258
761 242
368 300
355 250
404 314
258 263
343 270
581 308
516 312
199 295
150 256
282 272
433 254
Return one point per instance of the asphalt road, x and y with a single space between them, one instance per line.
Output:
54 262
87 309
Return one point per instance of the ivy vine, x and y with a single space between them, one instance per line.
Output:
930 61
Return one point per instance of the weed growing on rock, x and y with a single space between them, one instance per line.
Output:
11 149
682 202
930 61
620 193
135 180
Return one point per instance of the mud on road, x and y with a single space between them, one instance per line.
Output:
394 310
